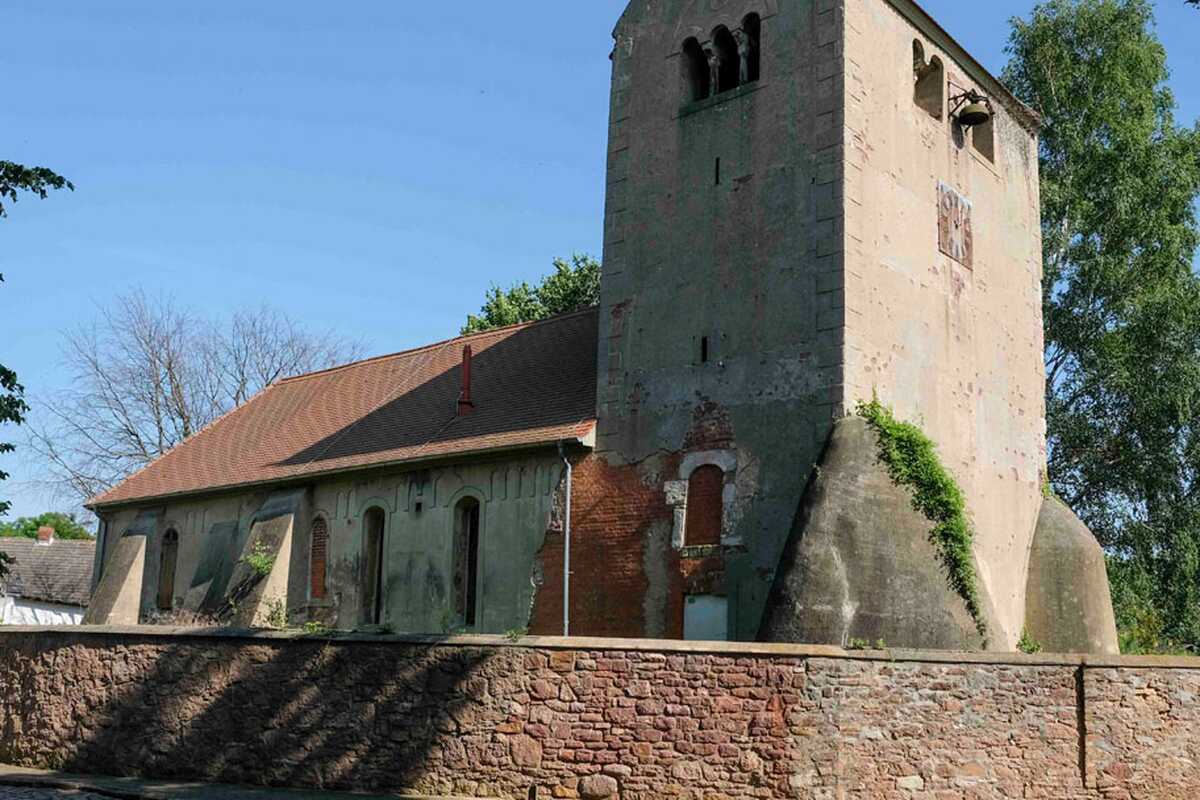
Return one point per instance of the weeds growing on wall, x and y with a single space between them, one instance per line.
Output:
912 461
259 560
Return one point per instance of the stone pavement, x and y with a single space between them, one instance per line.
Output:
19 783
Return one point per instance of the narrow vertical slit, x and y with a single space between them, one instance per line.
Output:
703 349
1081 724
717 173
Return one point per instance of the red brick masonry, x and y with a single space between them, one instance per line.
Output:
596 718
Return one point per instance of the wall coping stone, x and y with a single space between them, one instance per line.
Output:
157 634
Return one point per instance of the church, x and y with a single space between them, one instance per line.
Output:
810 205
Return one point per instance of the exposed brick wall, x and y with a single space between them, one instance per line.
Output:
482 718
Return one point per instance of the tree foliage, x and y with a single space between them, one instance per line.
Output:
148 373
14 179
1121 299
65 526
572 286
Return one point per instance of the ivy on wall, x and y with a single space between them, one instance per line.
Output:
912 461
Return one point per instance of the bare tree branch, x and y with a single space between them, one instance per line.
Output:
148 374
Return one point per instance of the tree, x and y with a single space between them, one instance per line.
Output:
65 526
1121 299
14 179
571 287
147 374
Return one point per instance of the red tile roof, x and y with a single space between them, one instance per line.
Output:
531 384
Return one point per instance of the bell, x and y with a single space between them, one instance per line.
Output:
977 113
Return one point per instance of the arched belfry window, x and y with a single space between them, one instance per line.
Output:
168 558
705 506
727 68
318 557
466 561
374 522
929 81
696 84
748 40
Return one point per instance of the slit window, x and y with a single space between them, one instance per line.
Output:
318 558
372 576
929 81
466 561
703 349
167 561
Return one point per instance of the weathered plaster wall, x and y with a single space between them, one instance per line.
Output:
517 497
752 262
957 349
597 719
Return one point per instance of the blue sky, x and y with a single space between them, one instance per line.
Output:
370 167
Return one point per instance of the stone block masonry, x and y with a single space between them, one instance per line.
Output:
595 719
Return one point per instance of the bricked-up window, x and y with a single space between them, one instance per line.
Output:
696 83
749 40
728 66
929 82
166 570
466 561
705 507
372 575
318 555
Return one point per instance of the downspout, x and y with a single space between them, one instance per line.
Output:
566 546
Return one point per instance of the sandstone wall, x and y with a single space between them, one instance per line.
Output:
595 718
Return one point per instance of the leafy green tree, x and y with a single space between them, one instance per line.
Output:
14 179
572 286
65 526
1121 302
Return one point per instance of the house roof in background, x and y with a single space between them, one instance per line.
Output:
58 572
532 384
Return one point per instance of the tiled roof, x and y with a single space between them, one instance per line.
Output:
531 384
59 572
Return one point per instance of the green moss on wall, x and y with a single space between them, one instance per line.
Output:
912 461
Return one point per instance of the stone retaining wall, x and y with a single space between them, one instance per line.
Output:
595 719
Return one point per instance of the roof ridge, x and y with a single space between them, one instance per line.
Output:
438 344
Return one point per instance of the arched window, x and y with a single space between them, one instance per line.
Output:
728 68
318 554
929 82
372 575
749 41
166 570
705 506
466 561
695 72
983 139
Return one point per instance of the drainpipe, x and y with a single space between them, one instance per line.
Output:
566 546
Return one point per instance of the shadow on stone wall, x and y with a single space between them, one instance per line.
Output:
304 714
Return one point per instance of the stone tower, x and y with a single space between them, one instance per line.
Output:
797 222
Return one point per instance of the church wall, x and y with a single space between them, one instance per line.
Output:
517 500
953 346
738 260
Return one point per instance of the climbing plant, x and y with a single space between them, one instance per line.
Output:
912 461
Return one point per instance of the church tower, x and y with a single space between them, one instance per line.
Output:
799 218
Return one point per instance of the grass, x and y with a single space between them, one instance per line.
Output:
912 461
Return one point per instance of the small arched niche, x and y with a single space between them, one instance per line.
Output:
696 76
705 506
728 67
929 82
